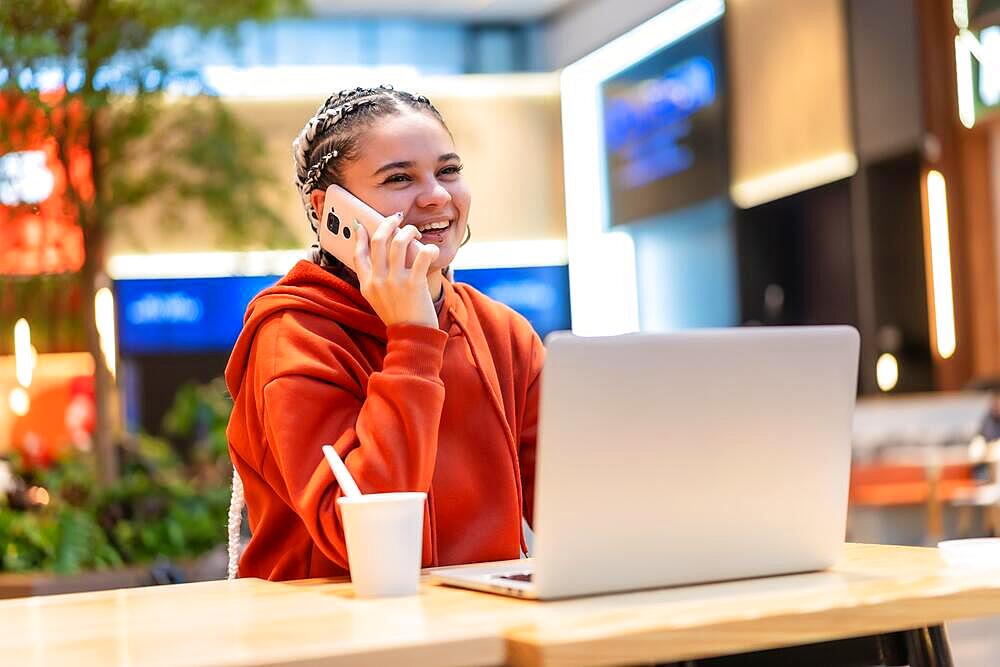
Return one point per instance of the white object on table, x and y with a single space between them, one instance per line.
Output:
978 552
384 533
340 471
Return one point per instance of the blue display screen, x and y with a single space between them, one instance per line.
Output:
183 314
647 127
540 293
160 316
665 129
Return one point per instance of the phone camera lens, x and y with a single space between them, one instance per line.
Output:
333 223
347 232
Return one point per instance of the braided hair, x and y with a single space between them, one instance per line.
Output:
331 137
327 140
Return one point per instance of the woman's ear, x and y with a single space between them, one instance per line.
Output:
318 197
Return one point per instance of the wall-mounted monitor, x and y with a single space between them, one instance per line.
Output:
664 127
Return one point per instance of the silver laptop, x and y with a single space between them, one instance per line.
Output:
669 459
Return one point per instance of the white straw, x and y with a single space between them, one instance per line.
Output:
341 472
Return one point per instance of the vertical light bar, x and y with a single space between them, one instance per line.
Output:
603 291
960 13
104 314
24 361
966 99
18 401
940 247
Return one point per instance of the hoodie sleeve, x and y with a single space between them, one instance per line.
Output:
529 429
388 440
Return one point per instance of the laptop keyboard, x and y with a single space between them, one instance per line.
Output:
517 576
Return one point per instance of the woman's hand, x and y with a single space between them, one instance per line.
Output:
397 293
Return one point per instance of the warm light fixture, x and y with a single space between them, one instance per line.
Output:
960 13
804 176
985 48
104 314
977 448
38 495
24 358
887 372
940 251
966 97
603 292
19 401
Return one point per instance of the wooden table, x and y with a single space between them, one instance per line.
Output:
873 589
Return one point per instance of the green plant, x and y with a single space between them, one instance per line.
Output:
64 535
164 504
198 418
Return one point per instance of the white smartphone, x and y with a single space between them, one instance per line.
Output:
336 229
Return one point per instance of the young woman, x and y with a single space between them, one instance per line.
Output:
420 384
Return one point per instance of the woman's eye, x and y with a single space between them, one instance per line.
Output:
397 178
451 170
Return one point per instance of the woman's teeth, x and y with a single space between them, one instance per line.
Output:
432 226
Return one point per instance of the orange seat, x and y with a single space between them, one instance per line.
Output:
881 485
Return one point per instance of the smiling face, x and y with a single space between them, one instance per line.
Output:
407 162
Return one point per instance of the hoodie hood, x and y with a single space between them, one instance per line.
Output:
308 288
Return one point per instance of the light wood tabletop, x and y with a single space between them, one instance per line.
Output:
872 589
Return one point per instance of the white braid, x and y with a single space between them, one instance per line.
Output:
300 150
236 503
328 113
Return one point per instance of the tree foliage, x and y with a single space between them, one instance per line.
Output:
112 98
152 126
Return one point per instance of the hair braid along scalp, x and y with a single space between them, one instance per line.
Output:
333 131
331 137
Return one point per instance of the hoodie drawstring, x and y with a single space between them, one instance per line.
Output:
511 440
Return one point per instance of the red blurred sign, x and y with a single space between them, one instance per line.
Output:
38 221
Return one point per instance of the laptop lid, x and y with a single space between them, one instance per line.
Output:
694 456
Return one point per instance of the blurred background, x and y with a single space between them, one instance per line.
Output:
649 165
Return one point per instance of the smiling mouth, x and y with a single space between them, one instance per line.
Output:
438 226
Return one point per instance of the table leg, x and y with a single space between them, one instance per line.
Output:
935 509
928 647
965 519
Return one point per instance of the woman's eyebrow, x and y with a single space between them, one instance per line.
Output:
407 164
393 165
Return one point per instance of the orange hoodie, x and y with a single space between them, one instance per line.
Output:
451 411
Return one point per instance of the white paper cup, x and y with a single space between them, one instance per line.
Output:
384 533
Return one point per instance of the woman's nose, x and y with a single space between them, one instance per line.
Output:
433 195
